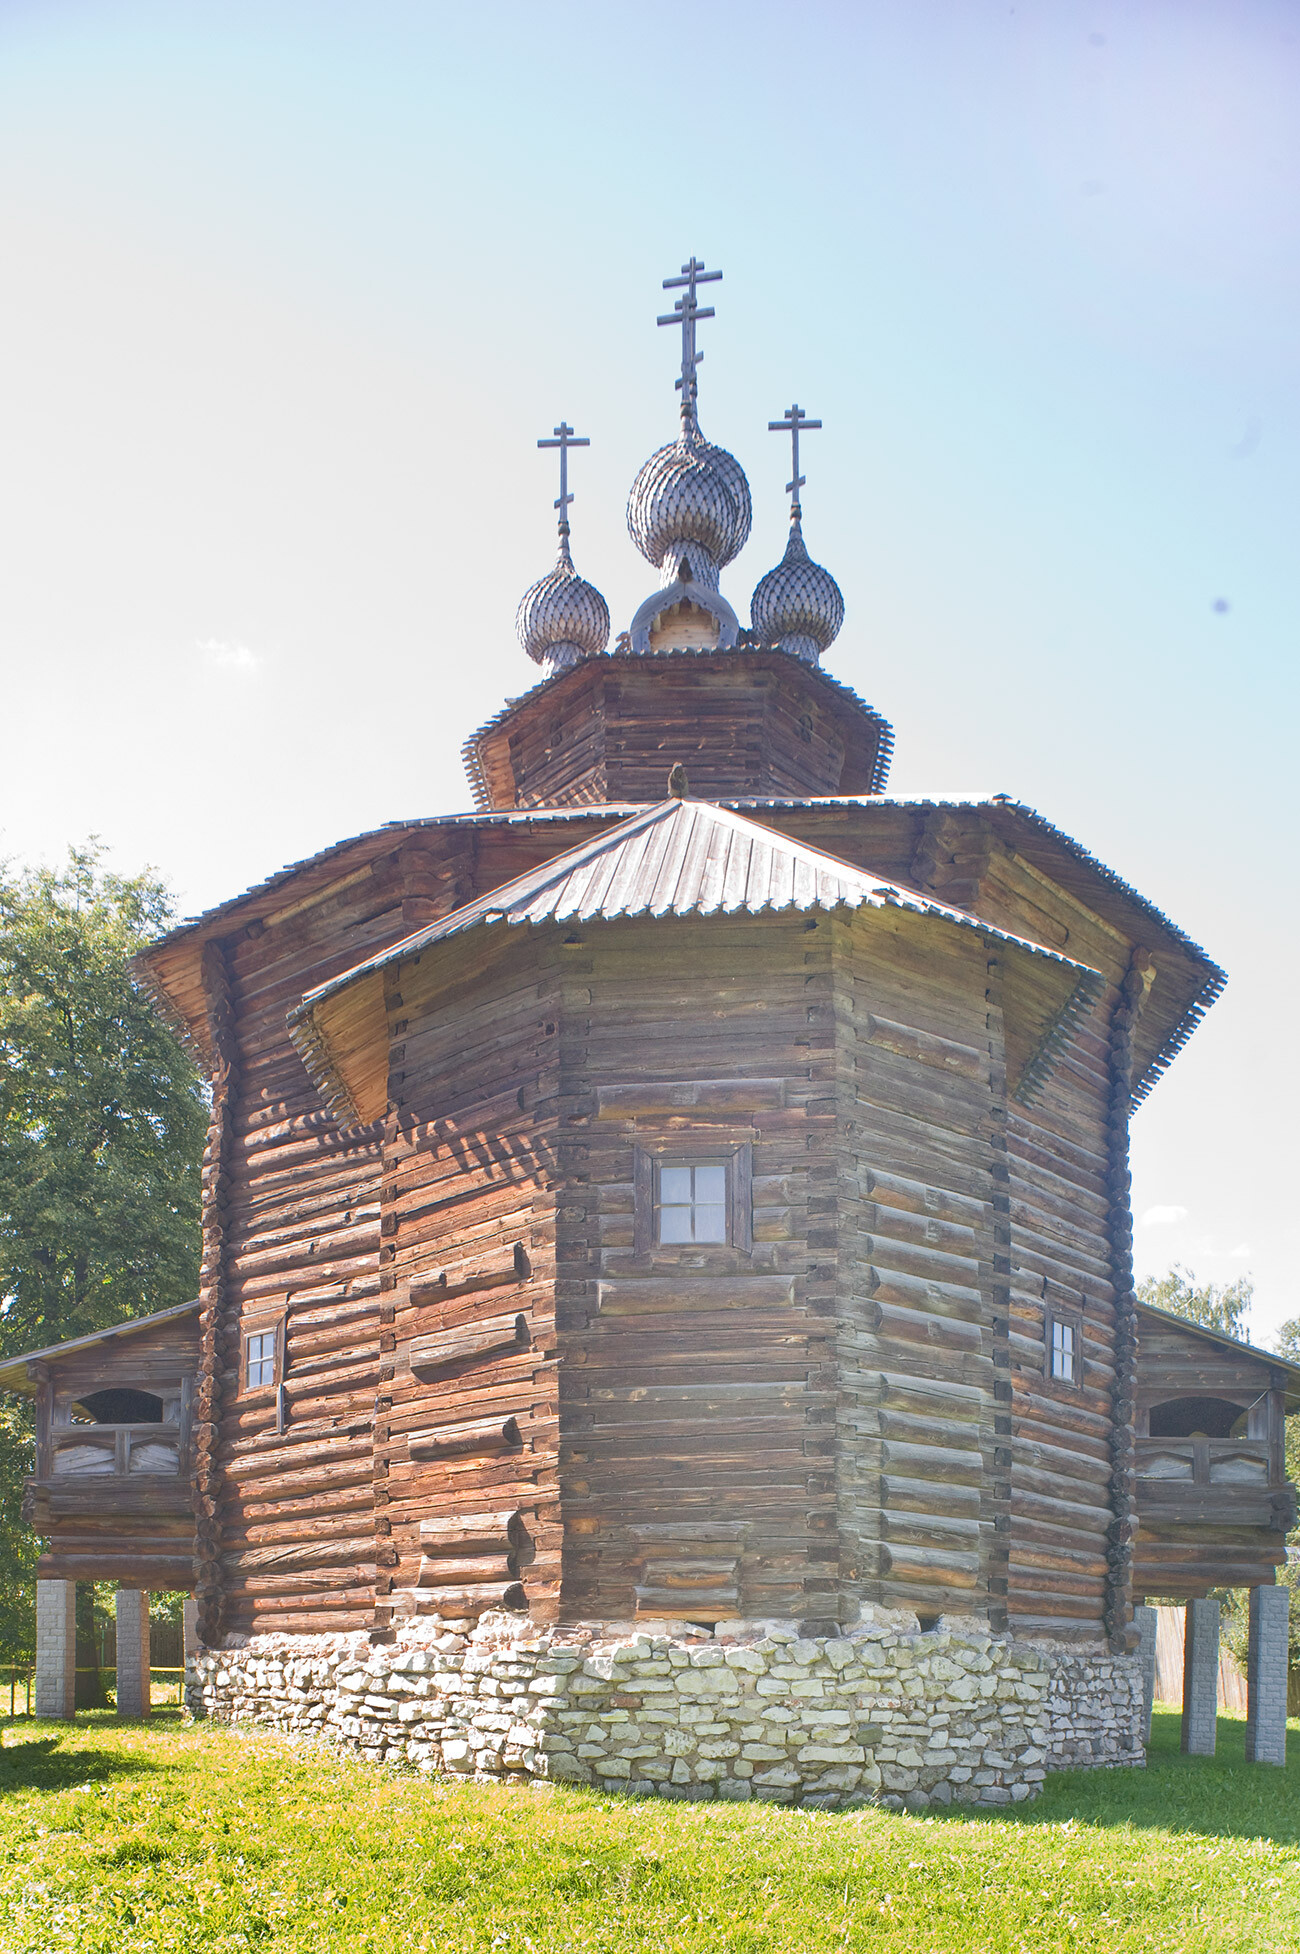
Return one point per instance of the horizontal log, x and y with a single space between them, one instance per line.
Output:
701 1099
437 1571
475 1597
441 1284
713 1604
471 1532
918 1197
924 1047
477 1435
443 1347
656 1294
315 1553
917 1326
930 1565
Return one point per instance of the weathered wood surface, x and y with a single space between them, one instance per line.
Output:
467 1413
466 1322
113 1501
1224 1524
300 1204
756 722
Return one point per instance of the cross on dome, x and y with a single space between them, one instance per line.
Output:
564 438
793 422
685 313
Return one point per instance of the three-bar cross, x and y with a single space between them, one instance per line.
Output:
793 422
685 313
564 439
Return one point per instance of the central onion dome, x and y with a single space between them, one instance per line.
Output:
689 509
798 606
562 619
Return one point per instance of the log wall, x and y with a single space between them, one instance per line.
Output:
754 722
698 1383
467 1418
1063 1495
922 1097
297 1202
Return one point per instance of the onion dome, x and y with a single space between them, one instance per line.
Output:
797 606
689 510
562 619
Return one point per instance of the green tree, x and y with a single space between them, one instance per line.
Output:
102 1114
19 1546
102 1118
1218 1306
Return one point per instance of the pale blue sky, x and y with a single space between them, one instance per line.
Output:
292 290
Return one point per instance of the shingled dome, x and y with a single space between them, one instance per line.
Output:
690 493
562 618
798 605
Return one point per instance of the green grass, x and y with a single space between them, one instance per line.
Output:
138 1839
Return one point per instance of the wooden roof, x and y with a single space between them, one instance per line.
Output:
678 858
13 1371
1228 1346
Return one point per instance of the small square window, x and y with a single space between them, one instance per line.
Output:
684 1203
692 1202
259 1359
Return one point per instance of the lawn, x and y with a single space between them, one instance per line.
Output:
189 1838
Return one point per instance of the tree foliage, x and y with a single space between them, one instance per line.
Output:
1218 1306
102 1114
102 1118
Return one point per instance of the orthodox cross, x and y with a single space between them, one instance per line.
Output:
564 439
684 314
793 422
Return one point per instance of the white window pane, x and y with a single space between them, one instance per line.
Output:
710 1223
675 1224
711 1185
674 1184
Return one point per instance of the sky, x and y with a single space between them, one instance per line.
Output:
292 290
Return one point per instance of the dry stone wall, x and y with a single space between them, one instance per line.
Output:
880 1713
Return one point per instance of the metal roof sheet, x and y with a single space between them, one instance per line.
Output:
677 858
999 805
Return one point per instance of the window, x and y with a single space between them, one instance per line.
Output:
691 1202
1063 1352
1063 1346
259 1359
700 1200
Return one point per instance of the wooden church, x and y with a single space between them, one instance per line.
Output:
689 1189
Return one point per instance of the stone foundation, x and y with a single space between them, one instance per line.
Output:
880 1713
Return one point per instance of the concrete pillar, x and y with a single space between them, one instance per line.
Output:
1201 1678
132 1652
1266 1667
189 1630
1145 1620
56 1648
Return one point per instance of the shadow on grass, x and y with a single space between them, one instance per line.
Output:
1219 1797
35 1757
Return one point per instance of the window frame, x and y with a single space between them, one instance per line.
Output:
1054 1317
262 1326
648 1162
